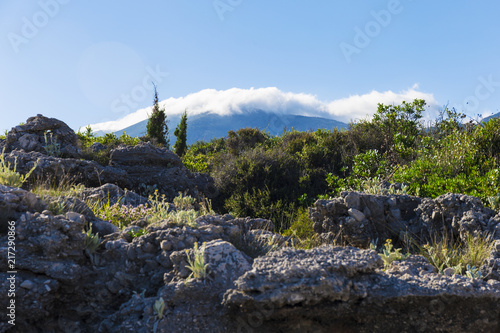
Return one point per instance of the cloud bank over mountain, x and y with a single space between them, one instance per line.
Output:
273 100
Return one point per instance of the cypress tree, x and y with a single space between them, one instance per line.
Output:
157 128
180 145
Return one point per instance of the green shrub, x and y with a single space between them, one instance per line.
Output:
452 164
363 135
259 203
128 140
449 121
86 138
197 264
109 140
389 255
302 230
118 214
284 176
8 174
202 156
52 147
244 139
184 202
92 241
197 163
488 140
401 126
369 165
463 257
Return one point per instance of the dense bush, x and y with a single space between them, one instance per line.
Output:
461 162
244 139
201 156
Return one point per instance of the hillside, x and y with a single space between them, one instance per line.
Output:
207 126
493 116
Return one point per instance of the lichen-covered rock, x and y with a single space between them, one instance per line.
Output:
63 170
332 289
491 267
49 254
190 306
14 202
40 131
147 165
169 178
362 218
460 213
290 277
113 194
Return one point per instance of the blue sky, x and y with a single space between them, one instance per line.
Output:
92 62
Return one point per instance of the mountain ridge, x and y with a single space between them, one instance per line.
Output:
206 126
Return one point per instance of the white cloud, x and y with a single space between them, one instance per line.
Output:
362 106
235 100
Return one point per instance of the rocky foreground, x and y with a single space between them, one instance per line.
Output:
61 287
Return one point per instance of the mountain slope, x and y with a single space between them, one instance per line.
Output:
207 126
496 115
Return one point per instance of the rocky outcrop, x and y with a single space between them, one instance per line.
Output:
43 135
53 147
462 214
113 194
193 306
335 289
14 202
162 173
49 261
56 171
360 218
61 286
147 165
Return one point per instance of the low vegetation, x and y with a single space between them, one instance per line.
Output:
462 258
9 175
197 264
109 141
